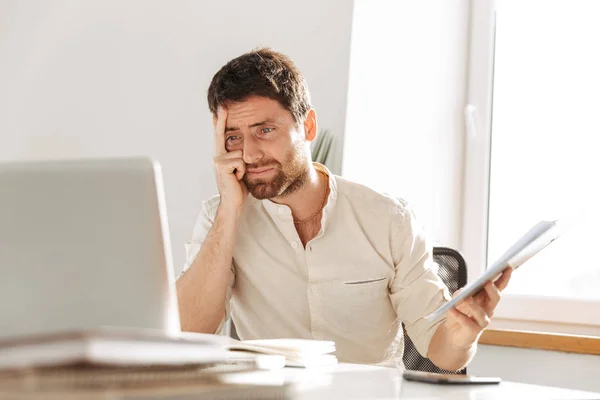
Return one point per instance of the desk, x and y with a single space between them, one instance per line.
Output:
344 381
350 381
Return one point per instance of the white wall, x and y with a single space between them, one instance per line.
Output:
112 78
551 368
407 92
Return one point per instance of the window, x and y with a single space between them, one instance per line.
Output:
534 151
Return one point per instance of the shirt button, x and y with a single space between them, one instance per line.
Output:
281 210
314 289
309 248
295 245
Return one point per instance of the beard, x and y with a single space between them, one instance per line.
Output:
290 176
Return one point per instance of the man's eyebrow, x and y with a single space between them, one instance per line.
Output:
265 122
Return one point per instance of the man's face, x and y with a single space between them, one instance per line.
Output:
273 146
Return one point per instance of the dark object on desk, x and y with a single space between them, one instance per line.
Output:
453 271
448 379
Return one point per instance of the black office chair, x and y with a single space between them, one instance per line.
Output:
453 271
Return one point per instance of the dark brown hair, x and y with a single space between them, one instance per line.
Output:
261 72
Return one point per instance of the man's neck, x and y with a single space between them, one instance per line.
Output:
309 198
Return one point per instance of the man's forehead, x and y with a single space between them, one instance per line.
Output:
241 116
254 111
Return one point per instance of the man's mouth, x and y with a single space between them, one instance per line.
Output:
258 172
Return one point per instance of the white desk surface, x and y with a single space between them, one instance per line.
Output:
344 381
350 381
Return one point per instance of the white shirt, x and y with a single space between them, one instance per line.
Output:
368 269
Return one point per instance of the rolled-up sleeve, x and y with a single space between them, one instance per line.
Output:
416 290
203 225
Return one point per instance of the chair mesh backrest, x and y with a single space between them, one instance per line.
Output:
452 268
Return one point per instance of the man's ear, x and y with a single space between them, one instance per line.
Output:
310 125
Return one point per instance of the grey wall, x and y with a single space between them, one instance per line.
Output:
112 78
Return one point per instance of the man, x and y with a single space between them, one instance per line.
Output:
299 252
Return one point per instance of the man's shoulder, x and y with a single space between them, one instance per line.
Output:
355 192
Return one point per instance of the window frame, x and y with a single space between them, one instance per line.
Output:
552 312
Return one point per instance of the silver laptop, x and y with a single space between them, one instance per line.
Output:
84 244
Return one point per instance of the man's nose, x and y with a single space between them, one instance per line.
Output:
252 152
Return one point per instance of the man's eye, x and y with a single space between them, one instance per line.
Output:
231 139
265 131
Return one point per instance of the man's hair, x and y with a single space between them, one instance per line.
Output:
261 72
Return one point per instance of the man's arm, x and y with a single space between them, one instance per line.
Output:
202 289
446 356
417 290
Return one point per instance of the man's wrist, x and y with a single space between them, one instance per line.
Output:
228 213
464 346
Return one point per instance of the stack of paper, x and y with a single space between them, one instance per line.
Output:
109 347
535 240
297 352
100 383
135 362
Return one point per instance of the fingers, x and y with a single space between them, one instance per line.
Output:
474 311
493 299
231 166
462 306
478 313
230 155
502 282
220 123
239 172
231 163
464 320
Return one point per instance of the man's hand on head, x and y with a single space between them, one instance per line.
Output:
229 167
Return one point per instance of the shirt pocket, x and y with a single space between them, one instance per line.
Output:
364 281
362 292
361 306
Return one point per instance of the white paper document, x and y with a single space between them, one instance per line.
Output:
537 238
